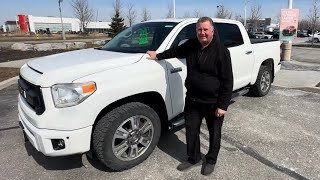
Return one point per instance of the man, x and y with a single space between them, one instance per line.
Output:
209 86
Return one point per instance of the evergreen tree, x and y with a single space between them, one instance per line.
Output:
117 23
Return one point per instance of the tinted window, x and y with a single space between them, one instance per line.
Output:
140 37
188 32
229 34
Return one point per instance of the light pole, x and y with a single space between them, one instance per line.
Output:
174 9
290 4
63 35
220 13
245 13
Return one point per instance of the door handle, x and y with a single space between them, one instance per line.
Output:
248 52
175 70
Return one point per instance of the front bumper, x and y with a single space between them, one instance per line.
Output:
76 141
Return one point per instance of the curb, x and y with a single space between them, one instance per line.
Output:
8 82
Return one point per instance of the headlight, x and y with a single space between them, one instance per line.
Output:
66 95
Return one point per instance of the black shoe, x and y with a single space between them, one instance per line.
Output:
187 165
207 169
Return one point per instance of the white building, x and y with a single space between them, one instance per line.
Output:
37 23
53 24
100 27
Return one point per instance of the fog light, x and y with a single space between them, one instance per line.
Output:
58 144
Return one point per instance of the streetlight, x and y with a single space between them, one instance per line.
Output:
63 35
220 13
290 4
245 13
174 9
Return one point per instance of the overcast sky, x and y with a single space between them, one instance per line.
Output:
9 9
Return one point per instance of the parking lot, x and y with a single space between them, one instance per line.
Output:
273 137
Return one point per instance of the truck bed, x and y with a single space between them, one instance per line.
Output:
256 41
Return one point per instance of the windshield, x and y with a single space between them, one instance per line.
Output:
140 38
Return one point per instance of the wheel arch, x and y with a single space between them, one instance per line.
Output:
152 99
267 62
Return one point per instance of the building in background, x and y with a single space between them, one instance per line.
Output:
258 25
11 26
272 27
38 24
52 24
100 27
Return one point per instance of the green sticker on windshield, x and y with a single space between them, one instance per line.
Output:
143 36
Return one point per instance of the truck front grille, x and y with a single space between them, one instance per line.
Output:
32 95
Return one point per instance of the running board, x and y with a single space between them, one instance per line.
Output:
240 92
179 122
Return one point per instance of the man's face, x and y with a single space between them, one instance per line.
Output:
205 32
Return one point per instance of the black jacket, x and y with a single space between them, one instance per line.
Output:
209 71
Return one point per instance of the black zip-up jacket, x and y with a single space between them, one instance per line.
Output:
209 71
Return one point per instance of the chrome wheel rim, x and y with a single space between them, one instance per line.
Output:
265 81
132 138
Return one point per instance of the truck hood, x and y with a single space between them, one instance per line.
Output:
69 66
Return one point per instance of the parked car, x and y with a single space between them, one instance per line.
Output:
302 34
252 35
276 34
113 101
263 35
316 38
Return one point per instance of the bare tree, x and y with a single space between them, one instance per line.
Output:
82 11
223 13
170 11
117 6
117 22
131 14
186 14
304 24
277 18
313 17
238 17
197 13
255 16
145 14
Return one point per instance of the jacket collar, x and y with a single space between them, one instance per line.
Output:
211 44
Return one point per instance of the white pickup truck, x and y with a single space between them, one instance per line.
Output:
114 102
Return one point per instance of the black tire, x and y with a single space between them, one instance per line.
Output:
316 40
263 83
104 135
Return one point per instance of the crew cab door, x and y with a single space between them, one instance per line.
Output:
177 70
241 52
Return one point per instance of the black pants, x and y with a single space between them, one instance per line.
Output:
194 113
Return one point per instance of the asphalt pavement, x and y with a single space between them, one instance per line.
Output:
273 137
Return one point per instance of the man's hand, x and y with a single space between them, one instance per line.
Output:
220 112
152 54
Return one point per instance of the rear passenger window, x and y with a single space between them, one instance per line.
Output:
229 34
188 32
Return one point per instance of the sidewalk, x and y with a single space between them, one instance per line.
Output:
15 64
12 64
